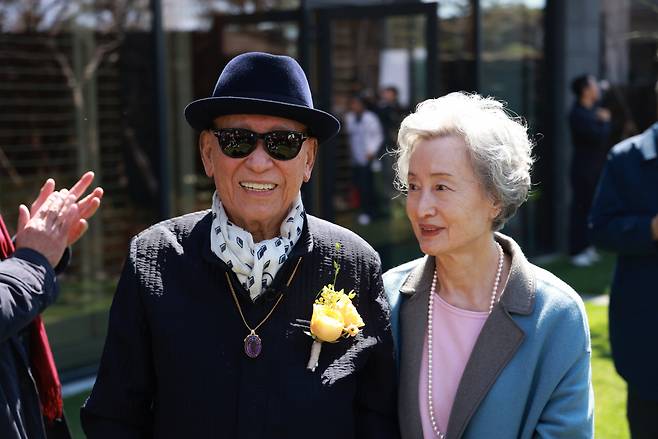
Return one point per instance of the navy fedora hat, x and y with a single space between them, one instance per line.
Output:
262 83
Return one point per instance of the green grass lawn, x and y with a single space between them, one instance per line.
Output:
609 388
593 280
72 406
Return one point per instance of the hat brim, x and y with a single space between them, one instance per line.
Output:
201 113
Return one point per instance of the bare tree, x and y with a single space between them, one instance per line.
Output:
52 18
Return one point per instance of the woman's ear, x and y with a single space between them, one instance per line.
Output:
206 147
496 209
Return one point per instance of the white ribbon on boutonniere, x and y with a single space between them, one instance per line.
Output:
334 316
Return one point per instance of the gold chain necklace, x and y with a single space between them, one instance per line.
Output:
253 345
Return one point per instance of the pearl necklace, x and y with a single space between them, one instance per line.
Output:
430 312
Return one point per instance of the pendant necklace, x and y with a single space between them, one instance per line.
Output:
253 345
430 312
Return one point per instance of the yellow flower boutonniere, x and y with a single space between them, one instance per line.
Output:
334 316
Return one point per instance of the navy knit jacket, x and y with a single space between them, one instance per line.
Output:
174 364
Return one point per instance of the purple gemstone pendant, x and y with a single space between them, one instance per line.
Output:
252 345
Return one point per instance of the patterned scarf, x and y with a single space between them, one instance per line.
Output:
255 264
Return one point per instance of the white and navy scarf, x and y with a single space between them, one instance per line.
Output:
255 264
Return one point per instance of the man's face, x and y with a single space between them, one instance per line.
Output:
389 96
592 89
356 105
257 191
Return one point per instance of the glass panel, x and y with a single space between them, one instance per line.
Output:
73 98
512 53
456 46
267 36
250 6
368 56
513 69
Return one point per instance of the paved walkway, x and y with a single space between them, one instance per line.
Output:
78 386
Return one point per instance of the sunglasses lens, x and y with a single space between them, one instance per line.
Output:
236 144
284 145
239 143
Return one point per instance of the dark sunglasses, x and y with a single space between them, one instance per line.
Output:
239 142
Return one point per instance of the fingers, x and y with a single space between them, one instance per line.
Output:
81 186
77 231
48 230
90 208
89 204
47 189
23 217
57 211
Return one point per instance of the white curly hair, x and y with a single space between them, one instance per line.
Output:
498 144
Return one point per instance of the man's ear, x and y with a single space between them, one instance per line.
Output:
311 148
206 147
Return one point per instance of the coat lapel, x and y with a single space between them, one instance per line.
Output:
497 343
413 324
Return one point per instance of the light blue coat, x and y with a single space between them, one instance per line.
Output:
529 374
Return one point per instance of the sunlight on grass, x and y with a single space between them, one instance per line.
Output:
592 280
609 388
72 406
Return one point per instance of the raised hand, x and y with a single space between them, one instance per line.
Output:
56 219
87 206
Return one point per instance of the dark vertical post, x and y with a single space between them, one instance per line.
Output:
310 192
477 43
326 152
161 105
432 44
411 67
556 135
304 37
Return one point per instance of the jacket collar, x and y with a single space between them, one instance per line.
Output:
517 297
498 341
648 141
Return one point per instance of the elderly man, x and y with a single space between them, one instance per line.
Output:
208 333
30 392
624 220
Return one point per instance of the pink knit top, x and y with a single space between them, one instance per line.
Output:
454 334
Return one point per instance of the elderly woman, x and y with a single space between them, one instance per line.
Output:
490 344
209 328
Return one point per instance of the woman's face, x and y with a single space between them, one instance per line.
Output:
257 191
446 204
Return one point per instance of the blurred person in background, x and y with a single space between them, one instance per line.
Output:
490 345
390 114
624 220
206 335
590 128
30 390
365 136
